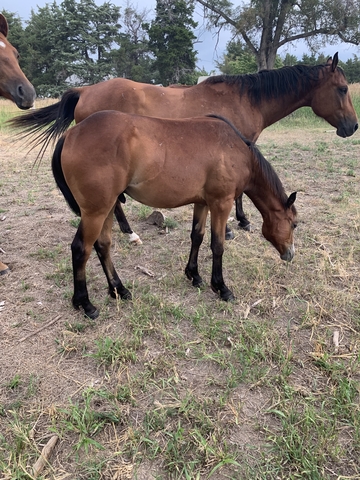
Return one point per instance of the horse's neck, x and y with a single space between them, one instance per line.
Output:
251 119
263 196
275 109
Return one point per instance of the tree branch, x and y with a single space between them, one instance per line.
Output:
222 14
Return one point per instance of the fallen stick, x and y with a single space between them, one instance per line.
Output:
43 460
145 270
40 329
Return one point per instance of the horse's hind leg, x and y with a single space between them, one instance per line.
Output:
240 215
81 249
124 224
102 247
197 235
219 215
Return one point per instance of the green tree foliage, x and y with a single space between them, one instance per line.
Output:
290 60
238 60
15 29
91 31
171 40
66 44
266 25
47 55
133 59
352 69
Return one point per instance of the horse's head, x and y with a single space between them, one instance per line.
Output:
278 228
332 101
13 83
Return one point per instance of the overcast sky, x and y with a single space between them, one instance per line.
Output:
209 46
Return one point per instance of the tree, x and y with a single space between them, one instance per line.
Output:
91 31
71 41
133 59
352 69
46 53
171 40
16 30
266 25
238 60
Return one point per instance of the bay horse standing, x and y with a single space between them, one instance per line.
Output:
164 163
13 83
251 102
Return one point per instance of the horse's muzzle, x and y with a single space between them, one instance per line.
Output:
24 96
289 254
346 129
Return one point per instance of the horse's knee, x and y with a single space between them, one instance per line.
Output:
217 248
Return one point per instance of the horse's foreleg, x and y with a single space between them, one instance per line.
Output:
219 215
81 250
124 224
197 235
102 247
240 215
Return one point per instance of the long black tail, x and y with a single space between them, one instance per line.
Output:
45 125
60 179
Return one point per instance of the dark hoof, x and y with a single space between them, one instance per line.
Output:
245 226
226 296
89 310
124 294
196 281
229 235
93 314
5 271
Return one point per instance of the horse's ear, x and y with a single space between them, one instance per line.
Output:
333 61
290 201
4 27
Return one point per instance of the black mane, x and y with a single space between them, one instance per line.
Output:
268 84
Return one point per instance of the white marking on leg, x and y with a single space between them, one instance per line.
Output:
134 238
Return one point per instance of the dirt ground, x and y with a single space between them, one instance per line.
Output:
36 231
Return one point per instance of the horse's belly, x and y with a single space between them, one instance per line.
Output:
163 196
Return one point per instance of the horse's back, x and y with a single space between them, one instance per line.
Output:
132 97
184 158
129 97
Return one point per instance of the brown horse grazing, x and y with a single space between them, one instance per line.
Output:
13 83
164 164
250 102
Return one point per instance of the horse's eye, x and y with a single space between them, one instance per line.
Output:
343 90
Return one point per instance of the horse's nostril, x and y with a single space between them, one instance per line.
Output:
20 91
356 127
